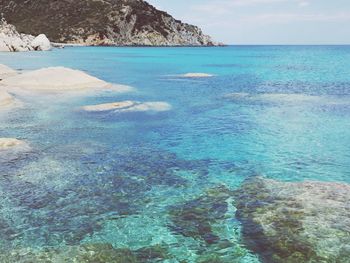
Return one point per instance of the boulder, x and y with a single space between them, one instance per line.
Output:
41 43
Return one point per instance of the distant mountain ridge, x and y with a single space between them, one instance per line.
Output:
101 22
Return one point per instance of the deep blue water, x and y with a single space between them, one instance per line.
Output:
113 178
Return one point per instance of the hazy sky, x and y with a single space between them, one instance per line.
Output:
266 21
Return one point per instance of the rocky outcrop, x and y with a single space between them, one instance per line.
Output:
299 222
58 79
11 40
101 22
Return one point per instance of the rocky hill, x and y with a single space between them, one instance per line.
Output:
101 22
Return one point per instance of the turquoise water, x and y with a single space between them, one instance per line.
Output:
118 178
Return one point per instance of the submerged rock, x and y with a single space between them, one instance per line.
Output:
295 222
56 200
195 218
11 149
129 106
8 143
59 79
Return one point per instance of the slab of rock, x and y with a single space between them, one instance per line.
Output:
129 106
6 100
6 71
59 79
301 222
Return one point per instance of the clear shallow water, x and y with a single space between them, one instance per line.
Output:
122 179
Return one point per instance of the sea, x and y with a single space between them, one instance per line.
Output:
128 179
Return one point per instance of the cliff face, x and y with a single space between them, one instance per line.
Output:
101 22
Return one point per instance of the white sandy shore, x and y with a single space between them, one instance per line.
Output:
129 106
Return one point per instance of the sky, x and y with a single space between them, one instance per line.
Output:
265 21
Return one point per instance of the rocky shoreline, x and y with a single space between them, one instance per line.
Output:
102 23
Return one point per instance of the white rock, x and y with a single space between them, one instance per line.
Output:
6 71
11 40
41 43
129 106
58 79
196 75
